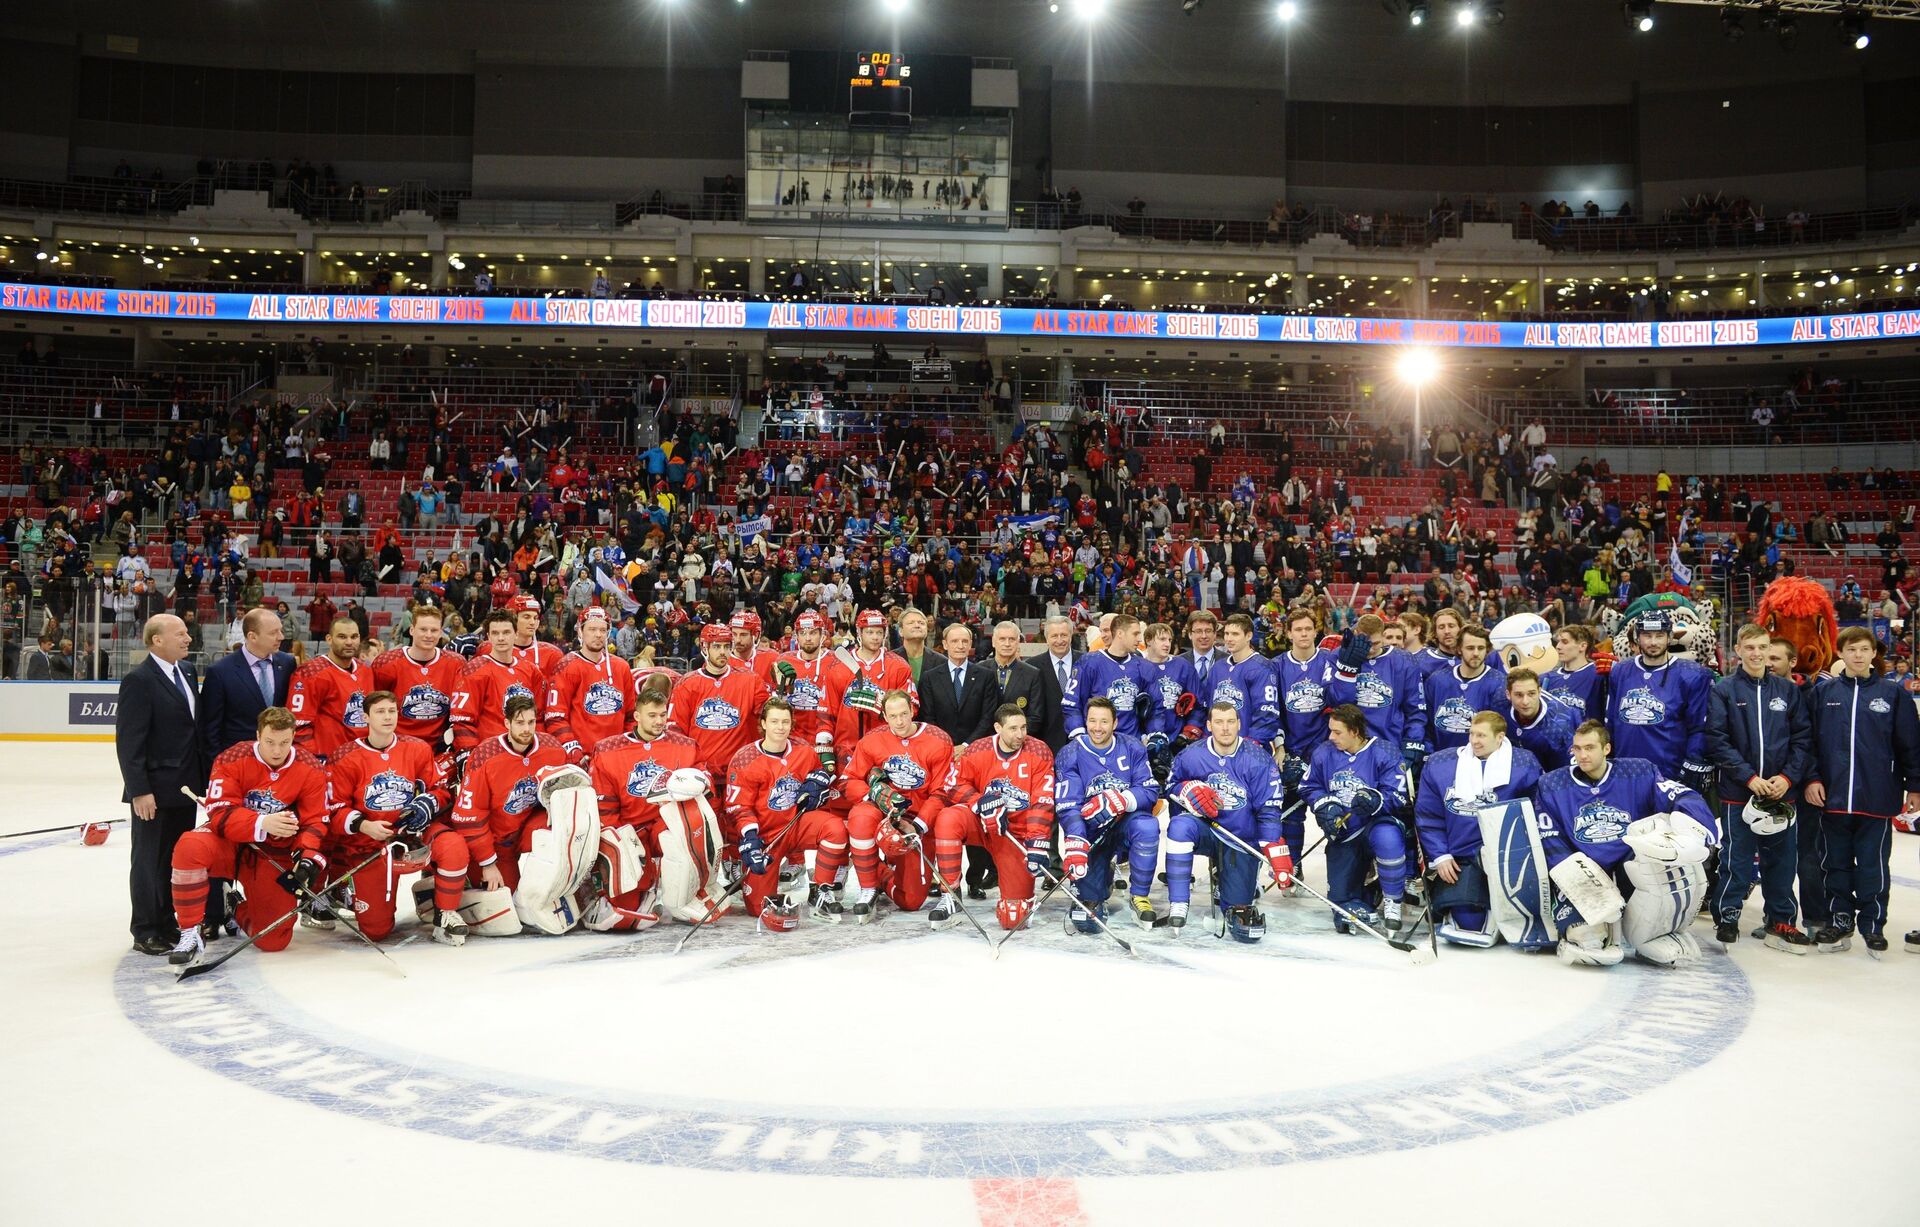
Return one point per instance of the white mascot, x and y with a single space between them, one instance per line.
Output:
1524 641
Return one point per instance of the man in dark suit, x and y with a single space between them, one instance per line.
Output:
242 684
1018 683
957 693
159 751
1055 666
1203 631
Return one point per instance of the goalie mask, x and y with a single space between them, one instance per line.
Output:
1767 817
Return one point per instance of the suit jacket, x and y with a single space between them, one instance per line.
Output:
957 720
154 736
230 700
1050 696
1022 688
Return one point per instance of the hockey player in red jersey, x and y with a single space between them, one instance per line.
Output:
266 818
872 672
499 799
775 790
812 681
718 706
745 628
487 684
328 696
590 692
896 779
385 790
423 676
999 797
653 790
527 644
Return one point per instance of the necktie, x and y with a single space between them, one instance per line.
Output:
1060 667
1003 679
186 691
959 683
263 670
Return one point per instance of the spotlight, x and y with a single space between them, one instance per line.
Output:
1088 10
1287 11
1417 13
1853 28
1416 367
894 6
1187 6
1640 15
1465 15
1731 24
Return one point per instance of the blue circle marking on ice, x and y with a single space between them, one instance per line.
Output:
1652 1027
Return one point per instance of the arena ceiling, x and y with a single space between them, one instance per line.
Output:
1543 51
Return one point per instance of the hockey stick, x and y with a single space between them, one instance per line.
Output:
1420 956
71 826
1092 915
307 895
713 908
953 892
1099 847
194 969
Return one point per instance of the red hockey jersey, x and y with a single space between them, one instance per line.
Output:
242 787
888 671
329 704
721 714
425 691
627 770
763 788
378 783
544 658
500 793
588 702
916 764
816 693
480 702
1024 779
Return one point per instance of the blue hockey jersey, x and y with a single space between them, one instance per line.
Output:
1377 764
1082 769
1577 814
1245 780
1169 682
1660 714
1430 660
1584 689
1550 737
1127 683
1304 690
1389 691
1453 701
1250 686
1450 824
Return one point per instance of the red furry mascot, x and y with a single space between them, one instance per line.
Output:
1800 611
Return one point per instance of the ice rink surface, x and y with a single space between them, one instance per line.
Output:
890 1075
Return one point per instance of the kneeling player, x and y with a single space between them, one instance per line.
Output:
1609 824
1104 794
775 791
1456 785
1354 786
896 777
266 817
660 845
1000 797
1225 781
379 787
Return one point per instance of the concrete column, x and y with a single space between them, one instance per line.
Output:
1539 304
313 269
439 272
1298 292
1064 287
1417 299
686 273
1757 295
756 272
996 279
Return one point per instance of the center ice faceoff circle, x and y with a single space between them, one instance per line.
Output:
1202 1057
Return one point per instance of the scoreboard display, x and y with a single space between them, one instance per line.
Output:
880 84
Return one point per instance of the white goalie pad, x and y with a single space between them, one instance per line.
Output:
602 915
1589 888
554 779
1666 895
1590 946
559 857
686 783
623 859
489 913
1668 838
689 860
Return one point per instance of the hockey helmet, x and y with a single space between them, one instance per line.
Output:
779 915
1767 817
94 834
526 602
715 632
744 620
810 620
870 618
1013 913
894 843
595 613
1653 620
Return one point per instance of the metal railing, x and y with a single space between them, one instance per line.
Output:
1603 234
1712 416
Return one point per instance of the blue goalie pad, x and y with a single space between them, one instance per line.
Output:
1519 892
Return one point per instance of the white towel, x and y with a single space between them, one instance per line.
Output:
1476 780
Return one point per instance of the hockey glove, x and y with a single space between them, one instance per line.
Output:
784 675
1189 733
1107 801
1413 751
813 789
308 868
991 809
1697 776
420 809
1073 856
753 850
823 750
1331 817
862 696
1156 742
1184 705
1280 860
574 752
1198 799
1292 772
1366 803
1039 862
1355 650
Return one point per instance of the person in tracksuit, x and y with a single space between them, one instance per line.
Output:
1781 656
1760 740
1866 738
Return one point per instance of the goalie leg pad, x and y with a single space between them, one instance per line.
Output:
557 860
689 860
1666 895
623 859
1589 888
489 913
1513 868
1585 945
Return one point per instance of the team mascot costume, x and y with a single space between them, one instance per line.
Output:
1800 611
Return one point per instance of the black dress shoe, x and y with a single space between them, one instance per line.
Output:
975 892
153 945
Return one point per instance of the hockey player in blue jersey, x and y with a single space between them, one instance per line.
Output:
1382 682
1355 785
1245 679
1657 705
1454 695
1457 784
1171 698
1229 780
1606 822
1104 794
1115 674
1304 673
1577 681
1537 723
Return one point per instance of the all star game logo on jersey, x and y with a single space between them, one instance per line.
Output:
1647 1028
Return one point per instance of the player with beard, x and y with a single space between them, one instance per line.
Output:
1657 705
488 683
896 779
328 696
423 676
874 671
643 848
1000 797
812 681
499 800
591 690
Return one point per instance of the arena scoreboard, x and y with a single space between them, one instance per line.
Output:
879 84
